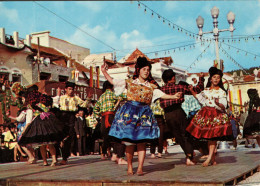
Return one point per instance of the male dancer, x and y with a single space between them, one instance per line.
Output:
68 104
174 114
106 106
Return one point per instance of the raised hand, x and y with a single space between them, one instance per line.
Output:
104 67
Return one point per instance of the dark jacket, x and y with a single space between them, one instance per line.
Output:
80 126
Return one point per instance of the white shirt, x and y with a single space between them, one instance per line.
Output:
26 115
207 97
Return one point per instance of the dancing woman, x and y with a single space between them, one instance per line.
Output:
252 124
134 122
25 118
44 129
211 122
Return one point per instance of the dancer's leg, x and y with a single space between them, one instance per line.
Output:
141 156
129 154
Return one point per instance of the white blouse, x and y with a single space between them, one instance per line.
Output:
207 97
120 87
26 115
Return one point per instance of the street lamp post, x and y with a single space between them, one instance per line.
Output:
216 31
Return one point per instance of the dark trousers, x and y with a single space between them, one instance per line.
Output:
82 145
197 144
119 149
68 120
105 131
177 123
161 123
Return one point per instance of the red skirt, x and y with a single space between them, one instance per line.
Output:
211 124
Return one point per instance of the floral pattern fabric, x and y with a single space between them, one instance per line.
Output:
210 122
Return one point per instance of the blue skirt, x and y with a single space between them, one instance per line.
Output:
20 128
134 122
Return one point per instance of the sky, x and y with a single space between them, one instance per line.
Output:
121 27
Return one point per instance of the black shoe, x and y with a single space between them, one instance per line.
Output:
253 145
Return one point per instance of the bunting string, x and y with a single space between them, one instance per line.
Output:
197 59
233 60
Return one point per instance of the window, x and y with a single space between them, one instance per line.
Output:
45 76
63 78
16 78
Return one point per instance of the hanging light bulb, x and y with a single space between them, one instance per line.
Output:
178 29
163 21
237 51
173 27
184 48
159 17
139 5
246 53
174 51
145 10
152 14
255 58
169 24
259 38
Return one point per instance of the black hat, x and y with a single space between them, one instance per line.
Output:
69 84
167 75
214 70
142 62
107 85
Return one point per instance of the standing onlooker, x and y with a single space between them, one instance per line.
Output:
252 123
80 128
243 117
233 122
92 134
159 115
